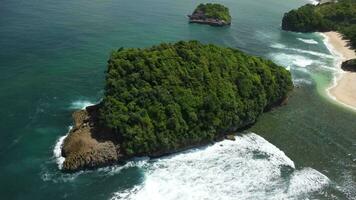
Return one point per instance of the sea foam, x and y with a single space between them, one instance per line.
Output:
57 150
248 168
314 53
308 41
81 104
291 60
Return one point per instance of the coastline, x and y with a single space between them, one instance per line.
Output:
342 89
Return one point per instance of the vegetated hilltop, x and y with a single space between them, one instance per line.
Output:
212 14
172 96
339 16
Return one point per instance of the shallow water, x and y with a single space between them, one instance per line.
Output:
52 61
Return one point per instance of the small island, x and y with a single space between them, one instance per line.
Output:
171 97
211 14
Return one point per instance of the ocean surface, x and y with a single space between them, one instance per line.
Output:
52 61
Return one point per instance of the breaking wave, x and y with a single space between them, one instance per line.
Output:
57 151
248 168
314 53
308 41
81 104
291 60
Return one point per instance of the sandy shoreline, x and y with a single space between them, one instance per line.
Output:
344 88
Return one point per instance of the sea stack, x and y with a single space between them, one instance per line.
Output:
211 14
171 97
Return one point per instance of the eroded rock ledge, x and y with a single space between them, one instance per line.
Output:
201 19
88 145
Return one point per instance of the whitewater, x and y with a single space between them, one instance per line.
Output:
248 168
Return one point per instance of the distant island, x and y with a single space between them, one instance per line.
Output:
171 97
212 14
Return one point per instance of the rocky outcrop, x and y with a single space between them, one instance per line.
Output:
200 18
88 145
349 65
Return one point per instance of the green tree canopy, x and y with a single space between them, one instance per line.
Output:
340 16
171 96
214 10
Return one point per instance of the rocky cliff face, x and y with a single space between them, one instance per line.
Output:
88 145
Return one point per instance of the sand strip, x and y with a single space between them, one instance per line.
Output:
344 88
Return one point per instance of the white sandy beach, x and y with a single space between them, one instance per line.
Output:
344 89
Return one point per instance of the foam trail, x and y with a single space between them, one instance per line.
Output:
291 59
57 151
308 41
81 104
314 53
248 168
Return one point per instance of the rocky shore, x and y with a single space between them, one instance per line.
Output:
200 18
150 117
210 21
88 145
211 14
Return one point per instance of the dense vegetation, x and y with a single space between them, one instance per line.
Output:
213 10
170 96
340 16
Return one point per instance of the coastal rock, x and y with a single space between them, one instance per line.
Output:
88 145
230 137
349 65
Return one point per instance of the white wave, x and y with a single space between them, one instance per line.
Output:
302 82
81 104
314 2
248 168
308 41
291 60
314 53
57 151
327 68
116 169
305 181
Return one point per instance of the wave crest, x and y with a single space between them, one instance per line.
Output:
248 168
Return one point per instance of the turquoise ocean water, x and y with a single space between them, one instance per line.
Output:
52 61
